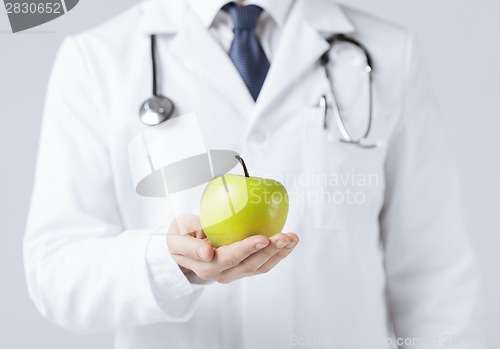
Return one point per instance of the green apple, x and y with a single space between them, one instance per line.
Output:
234 207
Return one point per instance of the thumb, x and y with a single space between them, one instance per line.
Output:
190 247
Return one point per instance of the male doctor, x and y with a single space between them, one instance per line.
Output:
383 256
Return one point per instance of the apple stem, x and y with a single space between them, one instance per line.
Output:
240 159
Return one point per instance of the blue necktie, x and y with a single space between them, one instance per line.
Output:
246 52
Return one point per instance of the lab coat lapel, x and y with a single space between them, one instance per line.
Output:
301 45
196 48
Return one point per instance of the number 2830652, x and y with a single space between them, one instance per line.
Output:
25 7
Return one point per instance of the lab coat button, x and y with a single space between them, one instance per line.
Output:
258 137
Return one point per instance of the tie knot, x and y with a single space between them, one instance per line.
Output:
244 17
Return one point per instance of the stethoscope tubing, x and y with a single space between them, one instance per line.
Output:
154 65
325 62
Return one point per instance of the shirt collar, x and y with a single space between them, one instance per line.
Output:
167 16
207 9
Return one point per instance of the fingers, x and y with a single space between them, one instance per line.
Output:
224 257
280 255
231 255
280 247
254 255
190 247
192 253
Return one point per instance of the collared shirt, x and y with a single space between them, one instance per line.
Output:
220 24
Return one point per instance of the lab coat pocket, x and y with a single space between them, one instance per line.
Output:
342 183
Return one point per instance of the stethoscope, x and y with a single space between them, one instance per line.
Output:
158 108
323 102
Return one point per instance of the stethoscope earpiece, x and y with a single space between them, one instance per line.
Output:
156 110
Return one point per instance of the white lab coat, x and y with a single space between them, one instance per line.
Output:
396 260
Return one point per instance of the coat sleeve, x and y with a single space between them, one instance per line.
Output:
432 280
85 271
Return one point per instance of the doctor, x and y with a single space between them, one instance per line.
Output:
382 251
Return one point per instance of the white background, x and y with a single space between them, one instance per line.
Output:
460 39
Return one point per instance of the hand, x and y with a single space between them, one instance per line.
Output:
255 255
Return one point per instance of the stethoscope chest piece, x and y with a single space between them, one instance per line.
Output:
156 110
